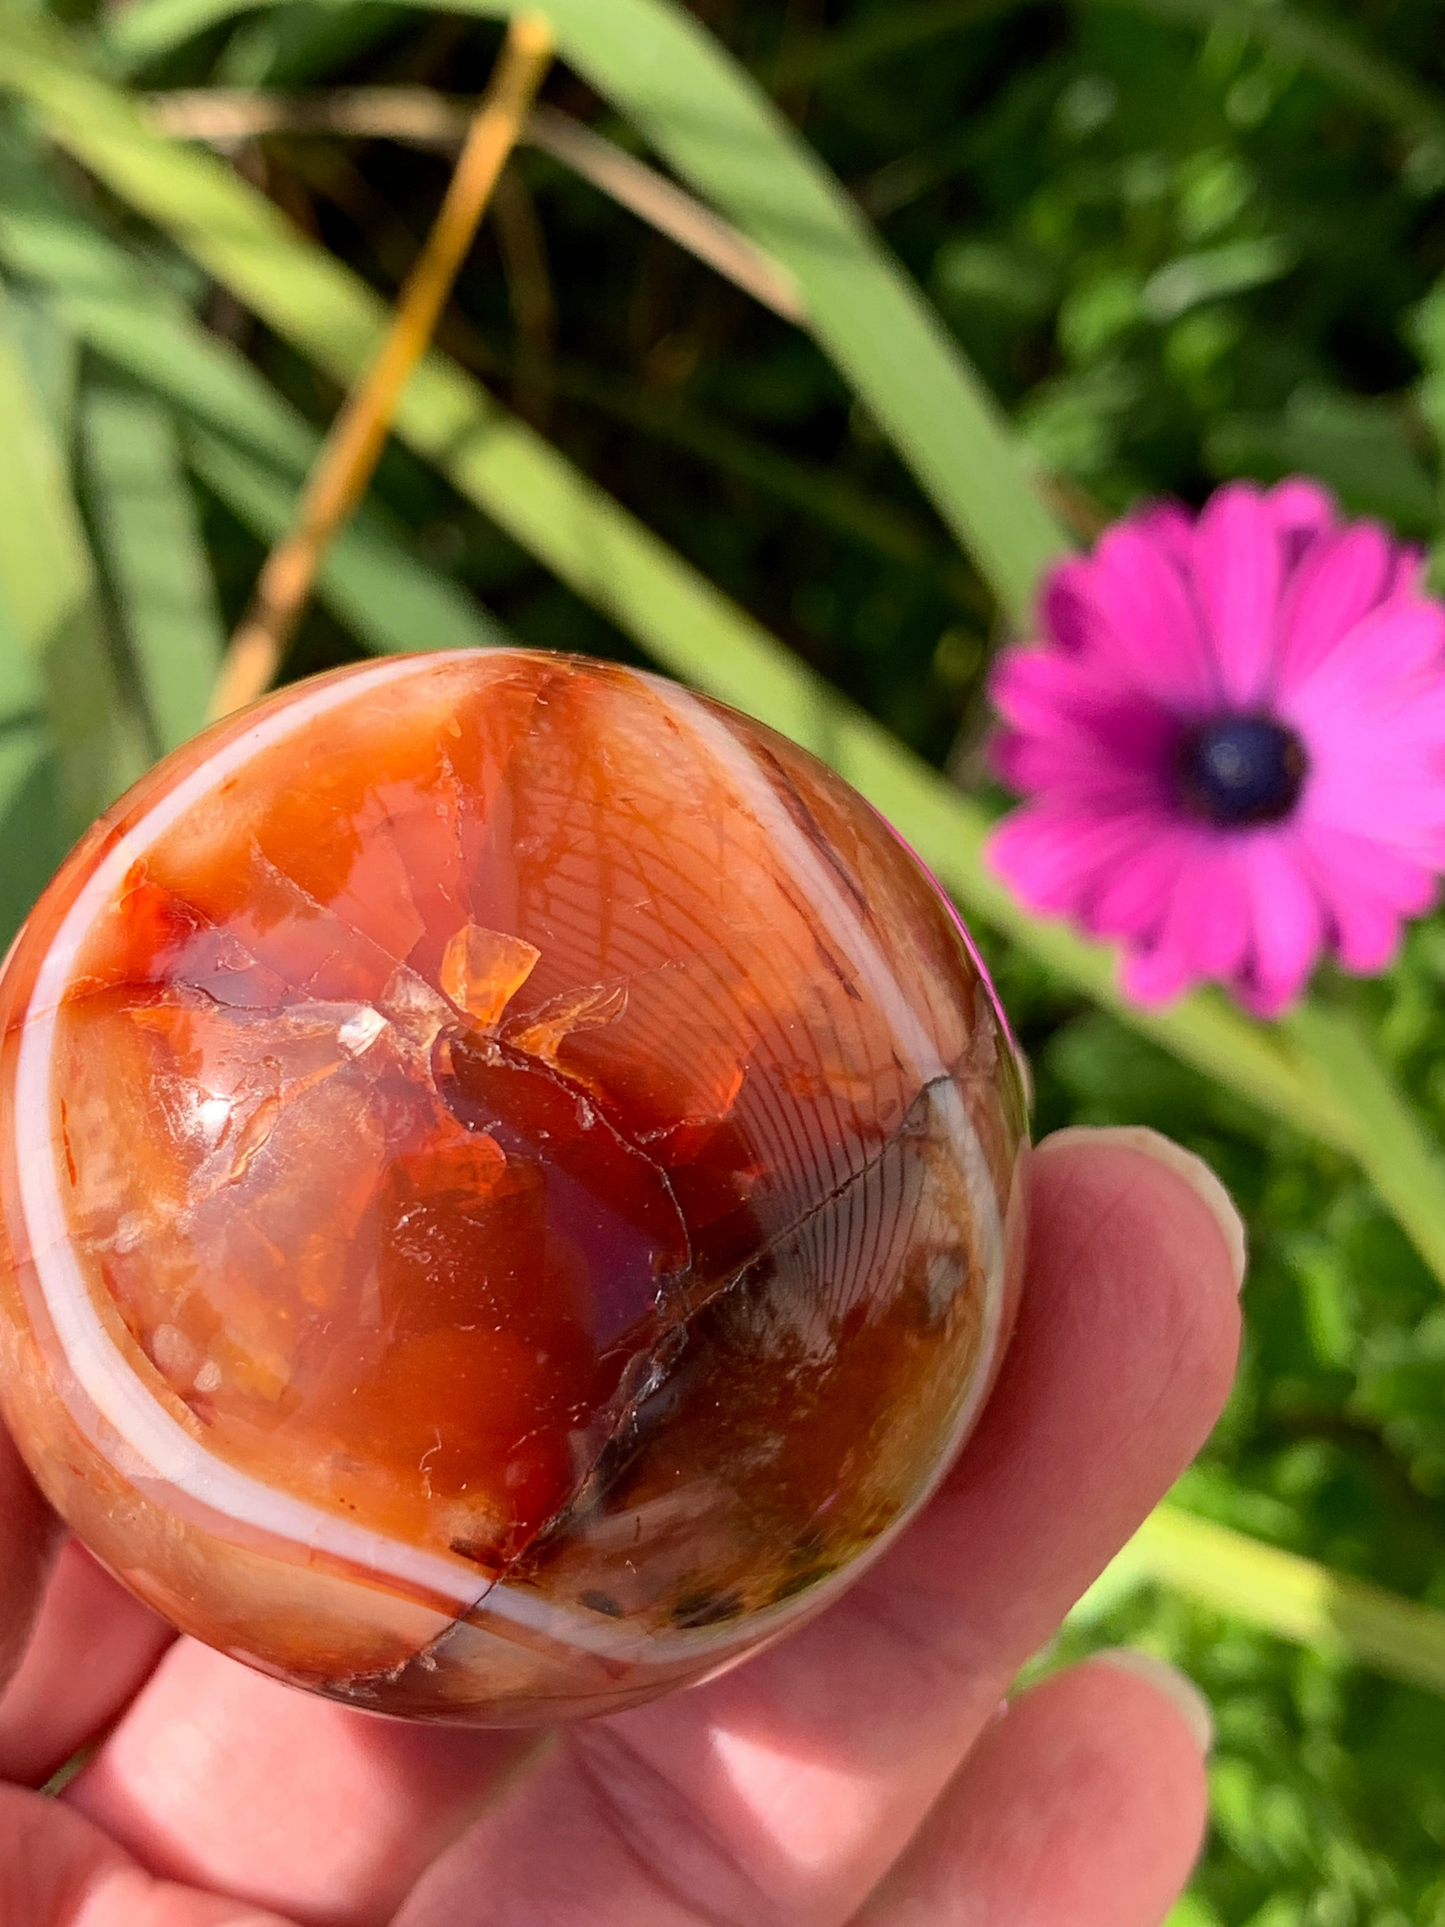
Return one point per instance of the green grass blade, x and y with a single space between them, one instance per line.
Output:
137 35
607 557
52 354
44 563
60 657
1403 1162
115 308
1281 1593
388 600
149 29
156 561
32 831
106 299
819 493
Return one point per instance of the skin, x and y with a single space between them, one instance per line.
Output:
862 1772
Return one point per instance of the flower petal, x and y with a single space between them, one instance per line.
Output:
1269 603
1156 976
1070 732
1151 637
1367 890
1339 580
1134 901
1067 613
1053 855
1207 925
1388 648
1286 920
1041 690
1211 923
1238 567
1412 563
1301 507
1171 527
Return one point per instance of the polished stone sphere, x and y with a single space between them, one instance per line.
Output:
509 1186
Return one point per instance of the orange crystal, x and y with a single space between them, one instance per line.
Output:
509 1186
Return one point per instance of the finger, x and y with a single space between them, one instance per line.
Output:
93 1648
1083 1807
782 1792
223 1779
29 1536
56 1870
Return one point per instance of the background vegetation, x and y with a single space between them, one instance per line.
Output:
1178 239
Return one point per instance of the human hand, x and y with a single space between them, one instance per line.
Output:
858 1773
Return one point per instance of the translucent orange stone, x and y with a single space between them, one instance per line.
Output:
509 1186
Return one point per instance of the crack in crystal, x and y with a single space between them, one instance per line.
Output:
654 1365
328 914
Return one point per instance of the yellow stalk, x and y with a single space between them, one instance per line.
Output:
347 458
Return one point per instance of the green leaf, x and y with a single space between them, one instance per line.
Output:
45 568
1291 1597
32 833
156 561
56 656
1317 43
1193 1912
52 355
139 34
1407 1167
1209 275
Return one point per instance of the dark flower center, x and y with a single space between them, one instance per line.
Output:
1239 770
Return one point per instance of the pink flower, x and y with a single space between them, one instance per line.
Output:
1232 745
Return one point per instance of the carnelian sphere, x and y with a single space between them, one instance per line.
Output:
509 1186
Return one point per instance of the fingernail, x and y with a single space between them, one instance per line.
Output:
1181 1692
1184 1164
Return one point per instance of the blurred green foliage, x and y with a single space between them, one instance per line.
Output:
1180 241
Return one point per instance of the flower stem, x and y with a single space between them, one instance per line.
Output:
1284 1594
1391 1145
